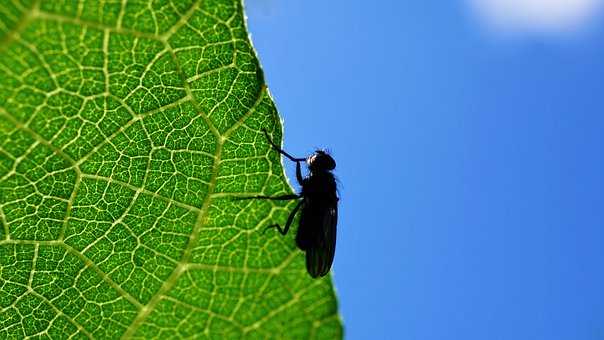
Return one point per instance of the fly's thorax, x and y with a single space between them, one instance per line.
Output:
321 183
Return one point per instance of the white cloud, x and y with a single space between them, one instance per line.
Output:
536 16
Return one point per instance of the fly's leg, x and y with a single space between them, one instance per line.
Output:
290 220
291 158
299 174
281 151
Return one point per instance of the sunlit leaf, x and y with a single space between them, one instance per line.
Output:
126 128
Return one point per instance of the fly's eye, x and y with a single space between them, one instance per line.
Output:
329 163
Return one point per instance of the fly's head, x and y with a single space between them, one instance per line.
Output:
320 161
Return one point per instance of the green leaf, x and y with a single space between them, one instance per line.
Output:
126 128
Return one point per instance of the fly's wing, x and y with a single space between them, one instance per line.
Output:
319 256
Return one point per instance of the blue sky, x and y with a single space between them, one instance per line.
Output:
470 157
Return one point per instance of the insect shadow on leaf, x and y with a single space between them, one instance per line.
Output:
318 203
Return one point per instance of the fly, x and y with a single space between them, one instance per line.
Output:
318 201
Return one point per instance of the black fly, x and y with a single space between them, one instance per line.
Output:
319 203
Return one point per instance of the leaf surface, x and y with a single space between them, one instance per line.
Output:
126 128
